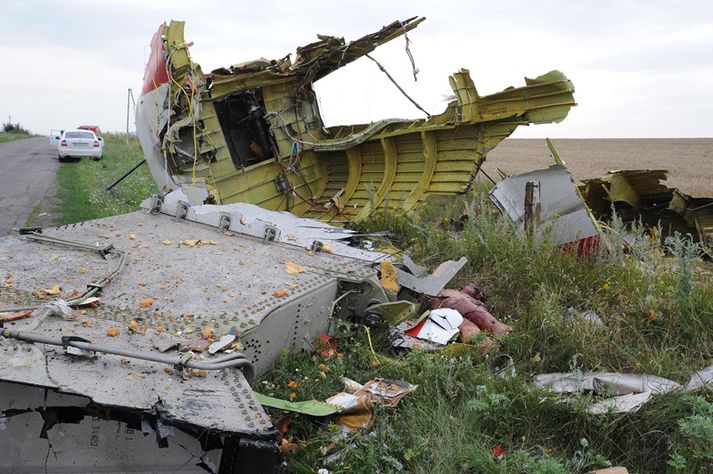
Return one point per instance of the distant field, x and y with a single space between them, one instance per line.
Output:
689 160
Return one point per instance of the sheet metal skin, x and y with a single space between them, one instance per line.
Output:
641 195
249 219
627 392
226 283
342 173
564 217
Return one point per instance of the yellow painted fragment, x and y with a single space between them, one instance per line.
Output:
389 280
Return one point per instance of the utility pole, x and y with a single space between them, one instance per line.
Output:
128 94
129 100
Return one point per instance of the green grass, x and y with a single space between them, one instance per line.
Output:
460 411
658 313
83 184
10 136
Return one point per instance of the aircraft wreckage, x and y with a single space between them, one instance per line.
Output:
253 133
129 343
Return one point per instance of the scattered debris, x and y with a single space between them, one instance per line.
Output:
113 332
221 343
354 408
247 114
147 302
54 291
640 195
281 293
587 316
389 279
471 308
193 345
293 268
16 316
430 285
439 326
562 214
326 345
627 392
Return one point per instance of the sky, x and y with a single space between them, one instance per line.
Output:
640 68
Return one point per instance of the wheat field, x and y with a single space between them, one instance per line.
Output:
689 160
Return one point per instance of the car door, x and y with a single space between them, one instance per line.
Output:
55 137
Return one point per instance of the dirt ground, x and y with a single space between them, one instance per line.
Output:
689 160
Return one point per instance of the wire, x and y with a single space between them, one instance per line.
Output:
383 69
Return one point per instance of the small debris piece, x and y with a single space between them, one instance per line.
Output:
293 395
350 385
134 326
207 333
132 236
292 384
386 392
91 302
611 470
326 344
71 294
389 279
9 281
190 242
54 291
168 370
166 242
195 345
8 317
471 308
113 332
159 329
281 293
497 451
221 344
293 268
164 342
440 326
147 302
87 323
588 316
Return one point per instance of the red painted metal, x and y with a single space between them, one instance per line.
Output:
155 73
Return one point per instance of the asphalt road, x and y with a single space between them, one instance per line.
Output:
27 176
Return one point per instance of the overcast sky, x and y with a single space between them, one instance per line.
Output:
640 68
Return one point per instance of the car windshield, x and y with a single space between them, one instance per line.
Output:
89 135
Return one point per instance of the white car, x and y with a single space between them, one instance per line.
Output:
79 143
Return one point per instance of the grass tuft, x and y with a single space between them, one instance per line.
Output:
83 184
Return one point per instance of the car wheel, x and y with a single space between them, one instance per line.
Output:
97 158
61 160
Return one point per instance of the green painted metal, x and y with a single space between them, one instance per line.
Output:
347 172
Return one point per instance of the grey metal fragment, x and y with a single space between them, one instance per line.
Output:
702 378
564 217
431 284
221 343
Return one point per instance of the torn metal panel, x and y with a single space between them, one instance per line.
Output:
252 220
640 195
239 289
253 132
430 285
604 383
625 392
702 378
563 215
46 431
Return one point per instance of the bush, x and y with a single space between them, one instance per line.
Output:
15 128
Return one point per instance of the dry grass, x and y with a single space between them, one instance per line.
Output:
689 160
